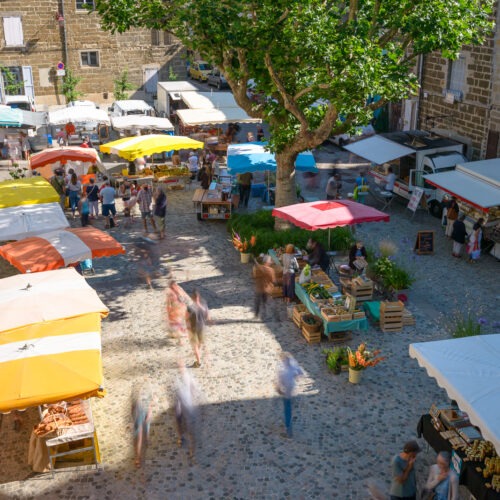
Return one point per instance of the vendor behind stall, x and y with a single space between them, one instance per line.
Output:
317 255
357 256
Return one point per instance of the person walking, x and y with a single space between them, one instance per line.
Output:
193 163
57 181
404 483
245 187
92 192
176 304
331 188
145 200
142 412
288 372
442 481
160 211
458 235
451 216
74 188
84 210
107 196
474 245
290 269
197 318
264 282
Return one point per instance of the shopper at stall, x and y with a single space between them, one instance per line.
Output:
125 192
474 245
265 278
390 180
74 190
357 256
404 483
197 318
204 177
25 146
442 481
145 200
317 255
142 412
193 163
70 130
245 187
160 211
331 188
57 181
84 210
92 192
288 372
107 195
458 235
290 268
451 216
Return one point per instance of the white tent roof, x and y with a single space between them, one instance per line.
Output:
78 114
469 370
378 149
140 122
209 100
46 297
176 87
214 116
134 105
29 220
487 170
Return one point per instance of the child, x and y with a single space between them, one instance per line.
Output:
84 209
127 219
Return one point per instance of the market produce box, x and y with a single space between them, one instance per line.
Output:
298 311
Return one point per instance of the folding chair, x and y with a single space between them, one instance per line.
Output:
388 197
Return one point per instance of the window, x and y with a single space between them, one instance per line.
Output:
85 5
90 58
159 38
456 74
12 79
13 31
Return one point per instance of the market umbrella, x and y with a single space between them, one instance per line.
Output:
469 370
59 248
50 347
253 157
132 148
78 114
18 118
28 191
47 160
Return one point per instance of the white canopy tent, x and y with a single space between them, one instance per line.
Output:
22 221
378 150
139 122
78 114
469 370
191 117
209 100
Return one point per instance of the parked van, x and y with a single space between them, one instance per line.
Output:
20 102
131 107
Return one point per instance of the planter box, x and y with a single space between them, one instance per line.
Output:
311 337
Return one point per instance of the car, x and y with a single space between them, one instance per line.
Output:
216 78
199 70
360 133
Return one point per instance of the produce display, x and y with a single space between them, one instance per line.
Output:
59 416
316 291
479 450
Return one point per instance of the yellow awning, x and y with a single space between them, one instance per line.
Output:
51 361
29 191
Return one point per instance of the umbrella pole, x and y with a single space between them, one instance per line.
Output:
329 247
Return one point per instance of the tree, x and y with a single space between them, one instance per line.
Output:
316 65
68 88
122 84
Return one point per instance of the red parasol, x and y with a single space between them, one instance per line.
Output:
63 155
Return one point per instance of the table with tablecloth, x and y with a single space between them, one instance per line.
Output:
469 476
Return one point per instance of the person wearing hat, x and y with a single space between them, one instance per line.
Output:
404 483
193 165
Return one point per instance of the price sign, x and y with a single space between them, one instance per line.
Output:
416 196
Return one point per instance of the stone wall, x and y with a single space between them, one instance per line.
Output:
44 48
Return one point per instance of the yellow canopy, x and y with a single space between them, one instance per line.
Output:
29 191
131 148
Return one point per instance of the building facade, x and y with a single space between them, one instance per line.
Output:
39 37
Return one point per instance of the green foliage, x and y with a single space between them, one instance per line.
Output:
392 275
17 172
261 225
336 358
465 325
10 84
68 88
121 85
171 74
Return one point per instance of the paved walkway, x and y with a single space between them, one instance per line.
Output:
344 433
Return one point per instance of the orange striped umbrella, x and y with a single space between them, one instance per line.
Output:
59 249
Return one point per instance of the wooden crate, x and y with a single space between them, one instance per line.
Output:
358 315
408 318
340 337
391 316
312 338
298 311
359 289
396 306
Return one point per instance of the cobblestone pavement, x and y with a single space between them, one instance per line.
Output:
344 433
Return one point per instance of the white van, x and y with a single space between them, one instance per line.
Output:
131 107
19 102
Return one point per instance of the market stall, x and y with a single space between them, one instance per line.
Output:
215 203
51 349
59 249
135 123
468 369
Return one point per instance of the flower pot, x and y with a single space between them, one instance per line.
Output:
354 376
245 258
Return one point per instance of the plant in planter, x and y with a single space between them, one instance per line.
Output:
392 275
335 359
360 359
242 244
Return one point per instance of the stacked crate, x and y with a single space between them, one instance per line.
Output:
360 288
391 316
298 311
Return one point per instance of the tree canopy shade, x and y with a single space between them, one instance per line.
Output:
315 64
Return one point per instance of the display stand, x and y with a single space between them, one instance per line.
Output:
212 203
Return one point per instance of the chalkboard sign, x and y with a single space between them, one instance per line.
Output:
425 242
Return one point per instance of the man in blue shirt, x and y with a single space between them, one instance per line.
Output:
404 484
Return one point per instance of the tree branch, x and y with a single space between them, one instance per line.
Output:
288 100
353 10
374 23
305 91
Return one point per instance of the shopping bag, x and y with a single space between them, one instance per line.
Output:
305 275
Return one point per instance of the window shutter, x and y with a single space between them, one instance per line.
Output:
13 30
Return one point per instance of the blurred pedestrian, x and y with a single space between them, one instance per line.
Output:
142 412
93 197
186 411
197 318
442 481
25 146
458 235
84 210
160 211
177 300
145 200
260 133
245 187
74 188
451 216
58 183
331 188
475 238
290 269
404 483
288 372
107 195
265 278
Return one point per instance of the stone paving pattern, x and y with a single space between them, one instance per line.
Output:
344 433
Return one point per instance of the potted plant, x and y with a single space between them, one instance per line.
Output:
243 246
359 360
335 359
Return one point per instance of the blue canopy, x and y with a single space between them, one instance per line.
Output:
253 157
16 118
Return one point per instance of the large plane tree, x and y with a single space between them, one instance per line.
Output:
316 64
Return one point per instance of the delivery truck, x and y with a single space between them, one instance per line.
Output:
412 155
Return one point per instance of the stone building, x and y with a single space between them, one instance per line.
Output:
38 35
460 98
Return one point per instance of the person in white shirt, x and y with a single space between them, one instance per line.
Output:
390 179
107 196
193 165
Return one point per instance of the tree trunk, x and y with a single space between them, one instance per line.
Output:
286 191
